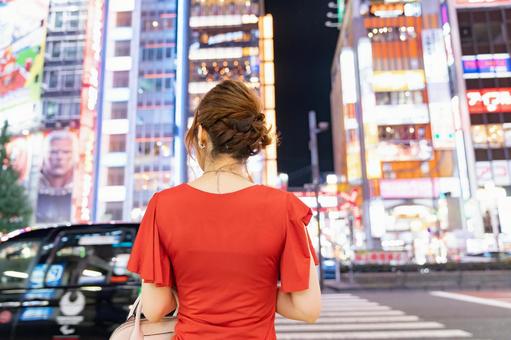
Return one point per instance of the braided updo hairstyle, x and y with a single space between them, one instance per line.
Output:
231 115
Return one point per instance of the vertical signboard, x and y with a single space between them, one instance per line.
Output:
439 98
82 195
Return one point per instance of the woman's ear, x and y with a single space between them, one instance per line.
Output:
201 135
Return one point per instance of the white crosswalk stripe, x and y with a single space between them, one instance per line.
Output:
346 316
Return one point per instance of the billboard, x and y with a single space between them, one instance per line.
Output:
56 177
22 35
20 152
486 66
489 100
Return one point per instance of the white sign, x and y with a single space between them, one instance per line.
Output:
496 172
399 114
348 79
439 93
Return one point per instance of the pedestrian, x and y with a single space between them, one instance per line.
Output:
235 252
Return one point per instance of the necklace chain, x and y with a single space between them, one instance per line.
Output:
218 177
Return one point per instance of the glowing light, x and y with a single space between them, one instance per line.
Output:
15 274
91 273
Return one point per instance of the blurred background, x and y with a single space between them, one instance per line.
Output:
412 99
395 118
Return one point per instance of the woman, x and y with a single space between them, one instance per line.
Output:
223 242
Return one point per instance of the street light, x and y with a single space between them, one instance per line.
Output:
314 129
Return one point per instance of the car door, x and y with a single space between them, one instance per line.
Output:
86 284
17 258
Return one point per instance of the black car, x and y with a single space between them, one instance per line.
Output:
66 282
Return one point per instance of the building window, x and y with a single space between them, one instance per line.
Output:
122 48
117 143
121 78
119 110
144 148
73 51
52 109
123 19
58 20
55 49
53 79
74 19
69 81
399 98
115 176
113 211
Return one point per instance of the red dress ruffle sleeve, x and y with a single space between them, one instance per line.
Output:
148 258
295 259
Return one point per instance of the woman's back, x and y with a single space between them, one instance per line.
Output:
224 254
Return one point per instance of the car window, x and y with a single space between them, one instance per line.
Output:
91 258
16 258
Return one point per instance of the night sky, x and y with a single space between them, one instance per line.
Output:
304 49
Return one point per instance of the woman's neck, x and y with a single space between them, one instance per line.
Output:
226 163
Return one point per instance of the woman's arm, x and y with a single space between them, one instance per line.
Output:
157 301
304 305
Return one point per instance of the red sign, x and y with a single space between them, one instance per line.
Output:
380 257
489 100
82 195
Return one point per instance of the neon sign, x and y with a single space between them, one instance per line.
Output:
487 65
489 100
82 196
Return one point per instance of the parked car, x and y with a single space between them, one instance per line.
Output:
66 282
329 268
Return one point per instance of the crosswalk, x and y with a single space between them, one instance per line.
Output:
347 316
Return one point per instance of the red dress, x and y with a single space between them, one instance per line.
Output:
224 253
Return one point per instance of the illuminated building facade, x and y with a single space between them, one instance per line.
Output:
233 40
398 138
484 31
93 93
137 130
69 109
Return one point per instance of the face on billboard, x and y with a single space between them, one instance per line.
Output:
60 157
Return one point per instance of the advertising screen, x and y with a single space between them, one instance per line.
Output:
22 35
56 178
487 65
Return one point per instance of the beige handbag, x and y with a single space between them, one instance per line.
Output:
136 328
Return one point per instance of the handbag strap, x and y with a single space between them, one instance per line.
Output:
137 309
138 305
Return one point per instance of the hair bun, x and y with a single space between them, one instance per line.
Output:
231 115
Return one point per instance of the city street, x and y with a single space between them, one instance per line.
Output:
407 315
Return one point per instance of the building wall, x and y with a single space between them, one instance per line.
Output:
229 41
138 117
409 144
484 37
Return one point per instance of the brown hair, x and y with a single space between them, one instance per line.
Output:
231 115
